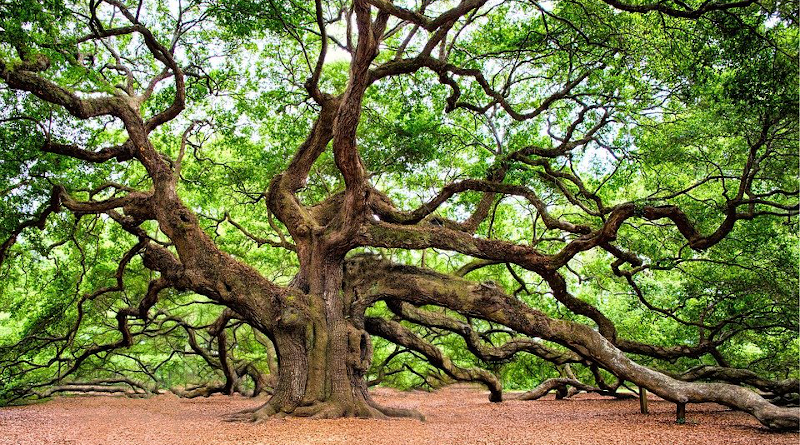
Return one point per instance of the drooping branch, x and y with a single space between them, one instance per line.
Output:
741 376
118 385
261 240
221 360
606 327
561 384
400 335
420 286
475 343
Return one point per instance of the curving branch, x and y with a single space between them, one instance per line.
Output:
400 335
383 280
475 344
561 384
741 376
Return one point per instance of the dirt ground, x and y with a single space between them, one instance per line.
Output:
455 415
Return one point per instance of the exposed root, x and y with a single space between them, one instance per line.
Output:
266 412
324 410
256 414
240 416
398 412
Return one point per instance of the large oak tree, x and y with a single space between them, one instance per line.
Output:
385 152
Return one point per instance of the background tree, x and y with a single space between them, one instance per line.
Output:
609 187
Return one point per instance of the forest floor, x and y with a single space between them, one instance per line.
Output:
455 415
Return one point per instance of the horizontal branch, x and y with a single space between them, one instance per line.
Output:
475 344
686 12
383 280
562 383
741 376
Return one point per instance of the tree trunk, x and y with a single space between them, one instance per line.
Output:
322 361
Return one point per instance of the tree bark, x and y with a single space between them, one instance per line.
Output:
324 357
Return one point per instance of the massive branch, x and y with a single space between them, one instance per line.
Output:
378 279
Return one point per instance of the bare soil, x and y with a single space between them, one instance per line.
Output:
455 415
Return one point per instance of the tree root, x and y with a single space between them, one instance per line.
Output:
390 411
330 409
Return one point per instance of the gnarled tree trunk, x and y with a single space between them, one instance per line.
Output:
324 353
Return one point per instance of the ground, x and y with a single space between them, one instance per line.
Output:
455 415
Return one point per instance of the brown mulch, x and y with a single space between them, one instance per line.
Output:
455 415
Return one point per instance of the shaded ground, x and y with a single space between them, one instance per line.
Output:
456 415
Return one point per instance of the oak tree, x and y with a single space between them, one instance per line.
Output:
339 172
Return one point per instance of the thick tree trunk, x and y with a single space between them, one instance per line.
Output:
322 361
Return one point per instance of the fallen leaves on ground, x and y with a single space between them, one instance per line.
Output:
455 415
